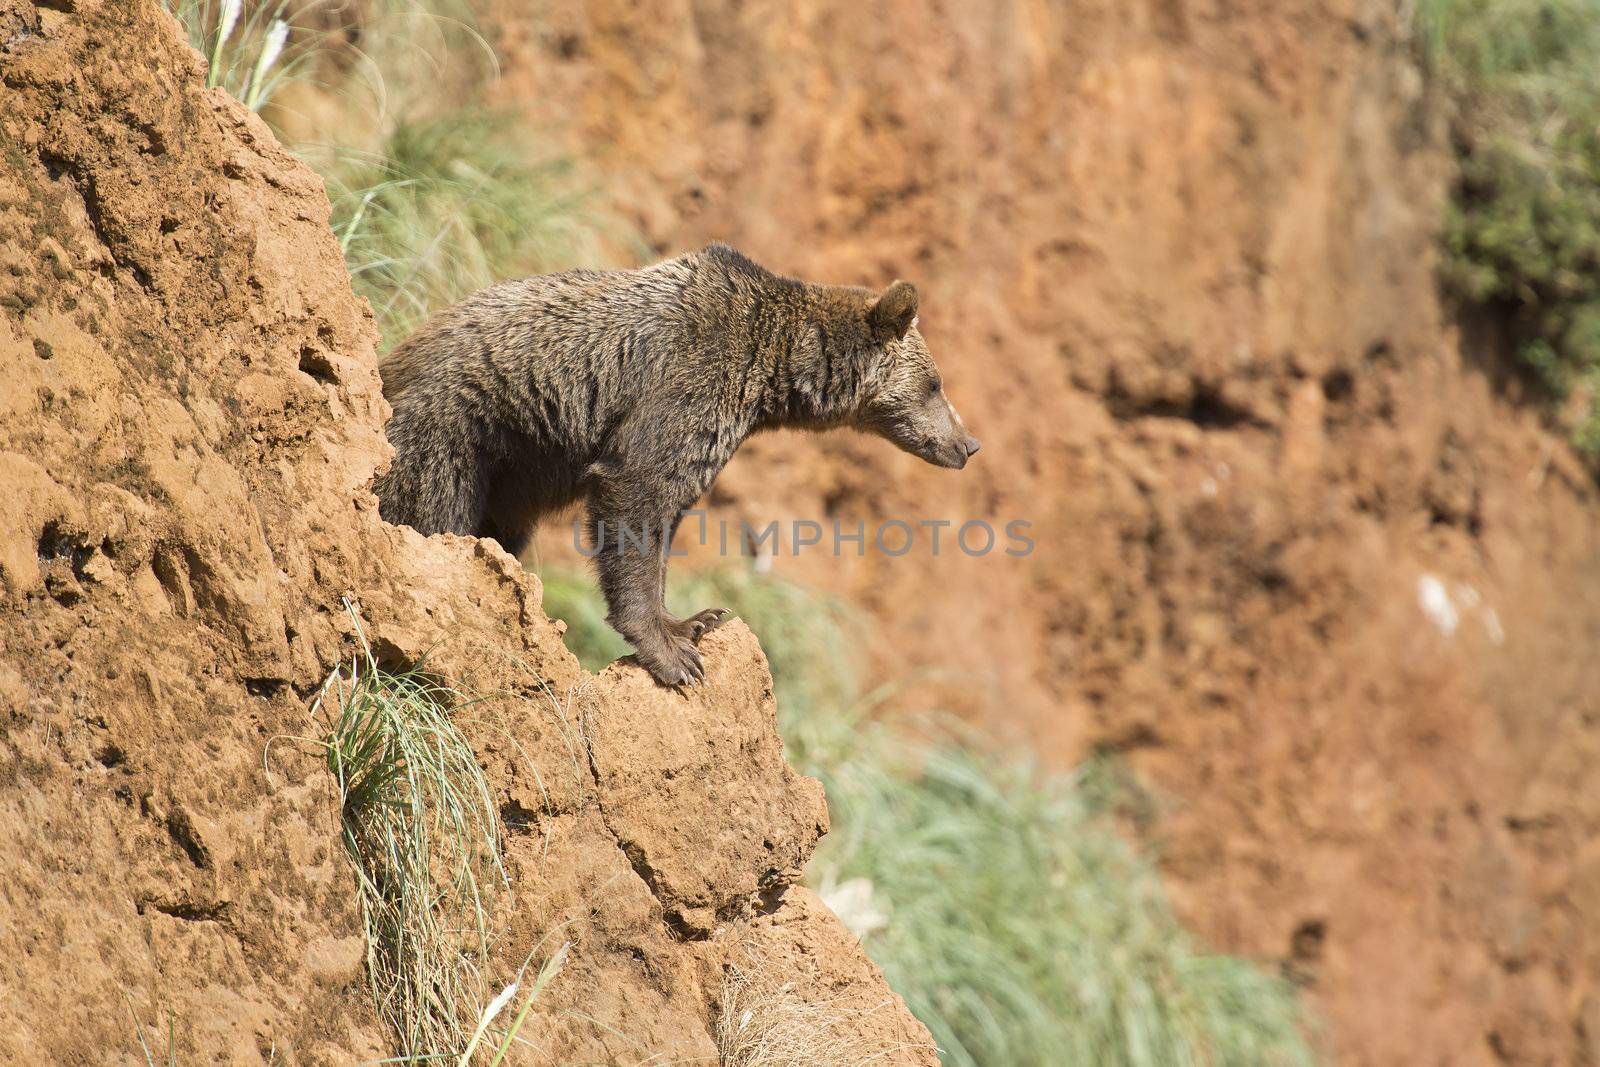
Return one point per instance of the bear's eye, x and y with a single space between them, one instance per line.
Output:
934 387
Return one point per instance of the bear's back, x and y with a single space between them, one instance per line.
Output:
552 327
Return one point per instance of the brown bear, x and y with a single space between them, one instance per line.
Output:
631 390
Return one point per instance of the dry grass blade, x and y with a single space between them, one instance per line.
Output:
765 1021
250 48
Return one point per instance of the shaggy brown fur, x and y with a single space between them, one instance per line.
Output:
631 390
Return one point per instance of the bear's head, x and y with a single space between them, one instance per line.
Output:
908 406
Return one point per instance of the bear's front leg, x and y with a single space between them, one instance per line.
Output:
700 623
630 551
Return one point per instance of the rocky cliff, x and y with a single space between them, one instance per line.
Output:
190 416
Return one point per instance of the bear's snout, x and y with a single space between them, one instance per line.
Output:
952 453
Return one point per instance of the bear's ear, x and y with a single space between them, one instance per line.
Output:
891 314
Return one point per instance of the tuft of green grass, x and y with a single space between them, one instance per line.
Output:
248 46
1021 927
446 205
1002 902
422 834
1521 235
430 201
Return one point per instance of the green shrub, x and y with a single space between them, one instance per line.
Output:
1522 231
1001 902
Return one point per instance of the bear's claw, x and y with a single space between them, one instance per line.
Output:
703 622
678 662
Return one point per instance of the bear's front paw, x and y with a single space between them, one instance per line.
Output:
675 662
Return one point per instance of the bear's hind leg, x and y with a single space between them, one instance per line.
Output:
438 482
